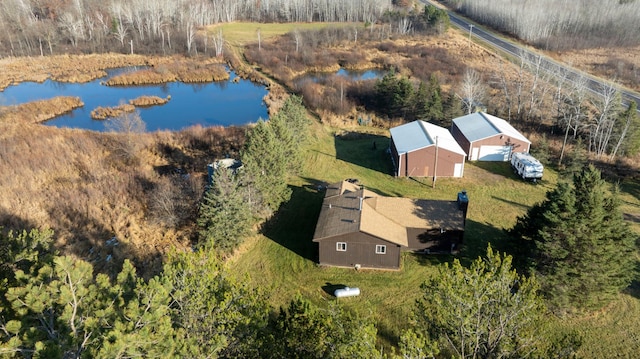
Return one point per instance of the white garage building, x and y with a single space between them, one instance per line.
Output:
488 138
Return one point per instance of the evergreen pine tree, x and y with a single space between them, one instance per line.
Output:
401 105
485 311
452 108
541 151
576 160
225 216
215 313
580 246
631 144
265 166
421 103
434 103
296 118
303 330
386 87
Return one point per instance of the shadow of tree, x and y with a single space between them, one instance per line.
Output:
476 239
94 243
633 289
516 204
11 222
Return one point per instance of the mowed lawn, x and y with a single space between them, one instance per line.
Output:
284 259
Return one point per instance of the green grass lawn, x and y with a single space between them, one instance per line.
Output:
284 259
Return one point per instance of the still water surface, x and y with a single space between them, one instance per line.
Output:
223 103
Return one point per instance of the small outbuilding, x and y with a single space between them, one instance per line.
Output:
422 149
484 137
358 228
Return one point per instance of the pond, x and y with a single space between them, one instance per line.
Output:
223 103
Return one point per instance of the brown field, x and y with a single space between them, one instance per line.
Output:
621 64
77 183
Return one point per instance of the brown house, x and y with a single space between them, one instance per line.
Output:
422 149
360 229
488 138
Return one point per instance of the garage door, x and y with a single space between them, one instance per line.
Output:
494 153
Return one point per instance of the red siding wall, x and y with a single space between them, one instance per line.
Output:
503 140
421 163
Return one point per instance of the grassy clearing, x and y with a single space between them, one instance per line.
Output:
285 257
242 33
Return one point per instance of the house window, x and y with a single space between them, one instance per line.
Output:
381 249
341 246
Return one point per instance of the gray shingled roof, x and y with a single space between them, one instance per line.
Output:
480 125
387 218
420 134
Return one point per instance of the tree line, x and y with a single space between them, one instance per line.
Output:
596 120
554 25
31 27
398 97
236 201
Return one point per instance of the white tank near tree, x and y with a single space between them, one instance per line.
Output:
526 166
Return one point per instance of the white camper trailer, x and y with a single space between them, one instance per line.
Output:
526 166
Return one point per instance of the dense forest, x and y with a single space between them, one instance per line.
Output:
559 25
31 27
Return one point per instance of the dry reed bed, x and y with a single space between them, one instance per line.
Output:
66 68
84 68
146 101
102 113
184 71
39 111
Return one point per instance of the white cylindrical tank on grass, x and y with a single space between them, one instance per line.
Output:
346 292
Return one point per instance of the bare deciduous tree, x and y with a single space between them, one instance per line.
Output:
129 125
472 90
608 105
572 110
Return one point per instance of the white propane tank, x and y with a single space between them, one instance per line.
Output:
346 292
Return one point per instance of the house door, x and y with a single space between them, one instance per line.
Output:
457 169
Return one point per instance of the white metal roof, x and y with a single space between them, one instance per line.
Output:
480 125
420 134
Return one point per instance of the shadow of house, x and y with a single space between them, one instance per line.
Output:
292 226
357 228
364 150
